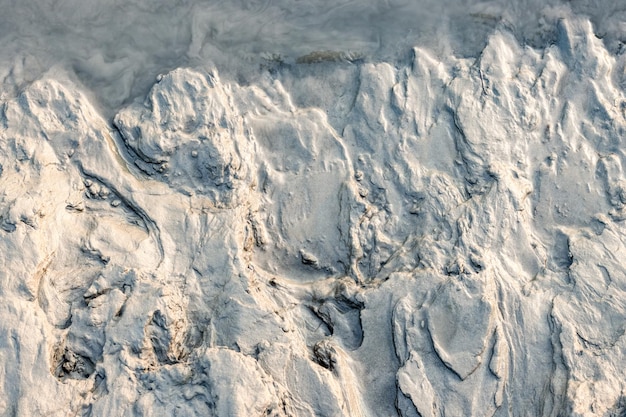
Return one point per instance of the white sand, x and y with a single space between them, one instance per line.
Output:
331 223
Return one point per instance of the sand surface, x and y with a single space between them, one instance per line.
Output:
296 208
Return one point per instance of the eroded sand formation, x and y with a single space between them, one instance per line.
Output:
443 238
